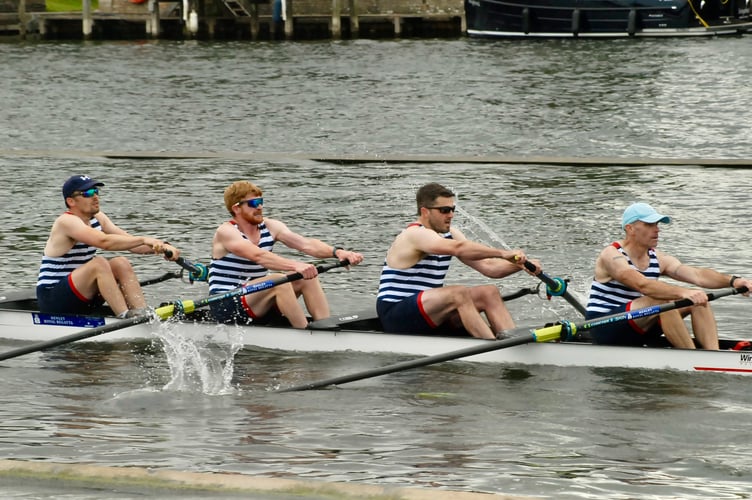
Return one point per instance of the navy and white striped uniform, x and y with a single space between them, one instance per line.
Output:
398 301
607 297
614 297
55 289
232 271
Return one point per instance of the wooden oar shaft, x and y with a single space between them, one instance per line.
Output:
545 334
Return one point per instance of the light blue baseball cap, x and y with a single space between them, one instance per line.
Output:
642 212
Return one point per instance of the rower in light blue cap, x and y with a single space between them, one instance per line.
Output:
627 279
642 212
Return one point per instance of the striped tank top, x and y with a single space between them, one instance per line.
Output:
55 269
427 273
232 271
605 297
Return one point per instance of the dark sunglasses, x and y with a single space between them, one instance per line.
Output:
253 203
88 193
443 210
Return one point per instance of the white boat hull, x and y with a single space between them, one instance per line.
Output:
30 326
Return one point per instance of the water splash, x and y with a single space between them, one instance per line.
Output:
483 226
474 222
199 365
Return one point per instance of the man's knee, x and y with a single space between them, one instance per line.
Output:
99 263
489 294
461 295
120 265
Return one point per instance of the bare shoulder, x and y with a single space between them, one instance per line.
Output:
417 233
67 222
610 252
457 234
275 226
668 263
609 261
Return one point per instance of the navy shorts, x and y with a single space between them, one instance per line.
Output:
405 316
63 297
623 332
236 310
232 310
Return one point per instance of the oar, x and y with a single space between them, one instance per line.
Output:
198 272
545 334
520 293
164 312
556 287
159 279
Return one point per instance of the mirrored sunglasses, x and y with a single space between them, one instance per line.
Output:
253 203
88 193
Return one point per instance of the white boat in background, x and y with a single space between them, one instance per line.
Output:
21 321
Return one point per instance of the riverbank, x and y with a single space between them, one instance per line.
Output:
151 481
240 20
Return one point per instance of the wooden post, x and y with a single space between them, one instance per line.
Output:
154 23
354 22
336 25
289 21
22 19
397 20
86 21
255 22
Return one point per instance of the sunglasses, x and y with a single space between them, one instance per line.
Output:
88 193
443 210
253 203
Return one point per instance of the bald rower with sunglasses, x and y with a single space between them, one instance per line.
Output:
242 252
72 279
412 297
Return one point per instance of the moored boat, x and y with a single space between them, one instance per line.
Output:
21 321
606 18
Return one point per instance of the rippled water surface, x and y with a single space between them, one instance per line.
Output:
543 431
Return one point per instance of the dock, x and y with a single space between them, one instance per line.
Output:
239 20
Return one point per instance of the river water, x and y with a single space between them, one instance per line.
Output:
539 431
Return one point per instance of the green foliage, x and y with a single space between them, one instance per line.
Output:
69 5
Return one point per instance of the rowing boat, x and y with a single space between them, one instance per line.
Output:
21 321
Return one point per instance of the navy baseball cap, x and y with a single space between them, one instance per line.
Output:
79 183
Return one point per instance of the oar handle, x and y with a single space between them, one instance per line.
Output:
198 272
556 287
